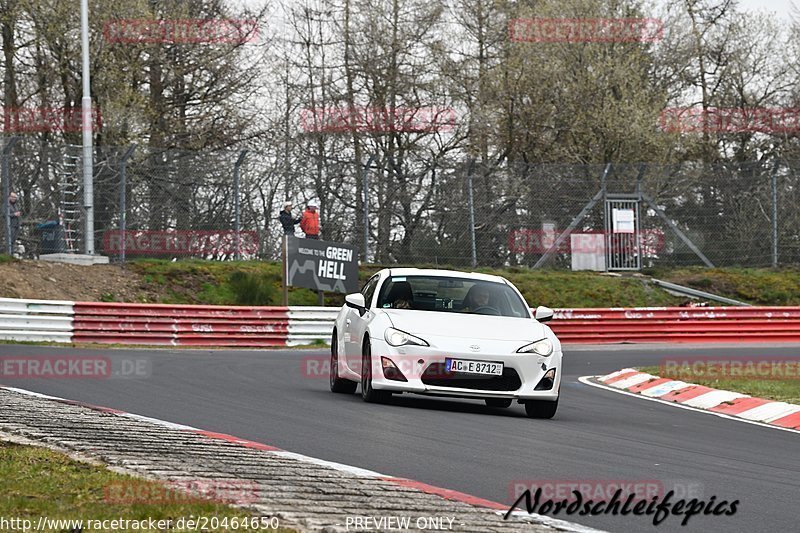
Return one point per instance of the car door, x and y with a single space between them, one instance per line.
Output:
356 325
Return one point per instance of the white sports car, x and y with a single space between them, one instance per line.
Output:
446 333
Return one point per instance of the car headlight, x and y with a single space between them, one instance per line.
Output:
543 347
395 337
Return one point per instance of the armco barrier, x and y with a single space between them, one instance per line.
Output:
35 320
180 325
203 325
678 324
311 324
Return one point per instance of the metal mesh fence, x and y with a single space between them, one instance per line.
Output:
180 203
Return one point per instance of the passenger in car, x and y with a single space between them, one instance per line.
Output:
478 296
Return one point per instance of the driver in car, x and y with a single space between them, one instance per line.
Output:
477 297
401 295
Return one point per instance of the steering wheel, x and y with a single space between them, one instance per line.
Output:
492 310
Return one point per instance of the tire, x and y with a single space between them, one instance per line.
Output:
368 394
339 385
540 408
498 402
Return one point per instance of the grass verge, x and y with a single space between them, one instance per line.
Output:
757 286
785 390
38 482
194 281
259 283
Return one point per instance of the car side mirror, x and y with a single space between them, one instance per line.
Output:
543 314
356 301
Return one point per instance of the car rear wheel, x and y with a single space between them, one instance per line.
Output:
368 394
540 408
498 402
343 386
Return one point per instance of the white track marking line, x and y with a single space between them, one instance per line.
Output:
163 423
586 380
36 394
356 471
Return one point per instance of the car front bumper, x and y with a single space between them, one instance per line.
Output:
423 367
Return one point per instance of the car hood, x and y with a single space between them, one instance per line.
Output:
463 325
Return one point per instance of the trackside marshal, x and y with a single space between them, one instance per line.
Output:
322 265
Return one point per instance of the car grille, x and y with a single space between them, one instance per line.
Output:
437 376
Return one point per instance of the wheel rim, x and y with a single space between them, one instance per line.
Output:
366 373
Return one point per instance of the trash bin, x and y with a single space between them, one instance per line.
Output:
52 238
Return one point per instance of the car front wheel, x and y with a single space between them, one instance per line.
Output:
540 408
343 386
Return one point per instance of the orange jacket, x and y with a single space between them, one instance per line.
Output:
310 222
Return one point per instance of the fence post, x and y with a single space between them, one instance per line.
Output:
366 206
775 214
123 205
237 204
470 168
86 130
6 191
606 220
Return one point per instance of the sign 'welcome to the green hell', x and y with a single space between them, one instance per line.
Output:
322 265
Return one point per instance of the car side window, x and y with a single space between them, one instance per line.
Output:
369 290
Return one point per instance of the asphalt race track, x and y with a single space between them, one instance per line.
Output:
266 396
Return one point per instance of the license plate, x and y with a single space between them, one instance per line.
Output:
473 367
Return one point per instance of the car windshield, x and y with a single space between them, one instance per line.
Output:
451 295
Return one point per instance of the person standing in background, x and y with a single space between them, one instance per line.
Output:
310 222
287 220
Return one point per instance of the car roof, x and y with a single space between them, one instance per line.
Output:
444 273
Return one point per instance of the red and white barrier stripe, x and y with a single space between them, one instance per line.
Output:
206 325
36 320
781 414
180 325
